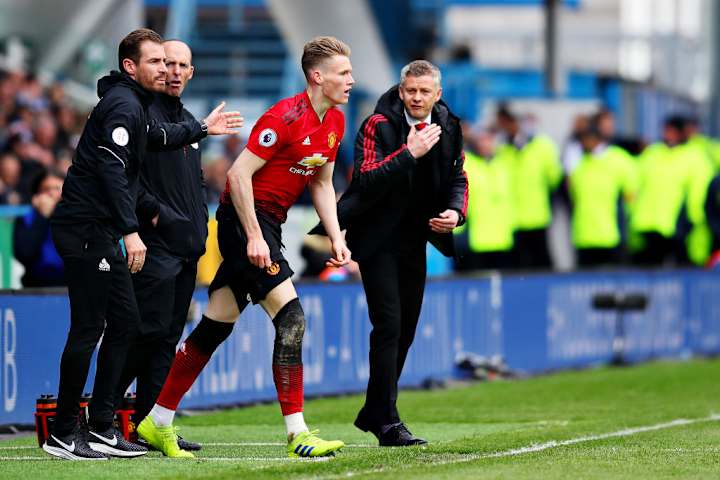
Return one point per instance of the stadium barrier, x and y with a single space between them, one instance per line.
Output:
536 322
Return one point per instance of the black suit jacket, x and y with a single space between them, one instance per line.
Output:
379 194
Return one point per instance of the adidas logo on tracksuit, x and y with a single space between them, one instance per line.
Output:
104 266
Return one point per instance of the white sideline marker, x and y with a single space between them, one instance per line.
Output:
210 444
189 460
548 445
459 459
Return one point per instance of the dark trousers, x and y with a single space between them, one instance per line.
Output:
487 261
163 289
530 251
597 257
102 303
394 285
657 250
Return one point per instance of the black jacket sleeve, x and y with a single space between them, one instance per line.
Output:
458 198
164 136
121 128
380 159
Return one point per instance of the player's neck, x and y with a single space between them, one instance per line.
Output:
320 103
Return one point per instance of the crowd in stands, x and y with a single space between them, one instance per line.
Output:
39 130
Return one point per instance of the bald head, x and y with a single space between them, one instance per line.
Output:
178 60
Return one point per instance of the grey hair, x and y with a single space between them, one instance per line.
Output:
419 68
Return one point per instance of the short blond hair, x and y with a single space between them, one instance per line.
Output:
320 48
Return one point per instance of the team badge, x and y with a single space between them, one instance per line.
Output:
120 136
316 160
273 269
332 139
267 137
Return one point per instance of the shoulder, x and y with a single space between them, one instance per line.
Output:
619 153
544 141
371 123
290 109
120 100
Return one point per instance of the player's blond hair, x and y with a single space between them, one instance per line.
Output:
320 48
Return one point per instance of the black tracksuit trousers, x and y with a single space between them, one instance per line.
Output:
164 290
394 285
102 304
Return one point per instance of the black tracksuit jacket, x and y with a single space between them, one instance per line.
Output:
383 193
100 191
172 185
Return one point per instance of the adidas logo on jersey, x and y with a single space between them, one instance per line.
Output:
104 266
306 141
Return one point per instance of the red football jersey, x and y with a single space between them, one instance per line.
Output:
294 143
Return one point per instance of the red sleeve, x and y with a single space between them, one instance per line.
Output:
340 125
268 136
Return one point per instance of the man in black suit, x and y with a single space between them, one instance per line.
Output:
408 187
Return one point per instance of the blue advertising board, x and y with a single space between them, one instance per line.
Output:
536 323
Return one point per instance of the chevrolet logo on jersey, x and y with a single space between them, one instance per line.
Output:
316 160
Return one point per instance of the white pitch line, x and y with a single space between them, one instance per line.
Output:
547 445
209 444
270 444
196 459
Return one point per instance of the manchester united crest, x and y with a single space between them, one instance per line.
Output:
332 139
273 269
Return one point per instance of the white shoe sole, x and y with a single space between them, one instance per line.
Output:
62 453
115 452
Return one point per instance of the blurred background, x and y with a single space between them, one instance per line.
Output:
589 124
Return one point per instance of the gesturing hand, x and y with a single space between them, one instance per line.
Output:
258 252
136 250
341 255
445 222
420 142
223 123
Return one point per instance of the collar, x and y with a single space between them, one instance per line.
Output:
600 149
412 121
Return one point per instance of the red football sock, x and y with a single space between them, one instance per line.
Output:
289 386
189 362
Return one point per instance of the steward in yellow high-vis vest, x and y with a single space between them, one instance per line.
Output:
673 180
535 172
490 220
601 187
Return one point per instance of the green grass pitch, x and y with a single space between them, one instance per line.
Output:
654 421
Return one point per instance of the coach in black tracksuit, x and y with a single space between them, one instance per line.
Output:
174 193
408 187
97 209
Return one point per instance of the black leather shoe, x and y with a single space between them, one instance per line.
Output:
399 436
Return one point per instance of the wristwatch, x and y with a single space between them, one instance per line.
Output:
204 128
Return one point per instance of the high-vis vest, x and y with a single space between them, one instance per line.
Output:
670 178
596 185
535 173
490 209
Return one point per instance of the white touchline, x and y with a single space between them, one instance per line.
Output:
547 445
209 444
270 444
196 459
